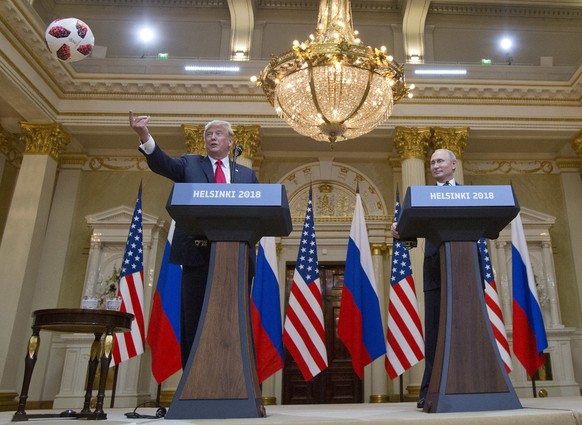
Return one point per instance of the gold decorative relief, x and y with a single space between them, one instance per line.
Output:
333 200
509 167
106 163
44 139
577 144
194 138
248 136
9 147
453 139
411 142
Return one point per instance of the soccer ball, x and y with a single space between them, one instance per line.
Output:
69 39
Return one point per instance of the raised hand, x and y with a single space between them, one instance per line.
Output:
139 124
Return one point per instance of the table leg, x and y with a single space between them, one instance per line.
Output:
105 361
91 371
29 362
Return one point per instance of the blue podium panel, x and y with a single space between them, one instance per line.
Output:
456 213
231 212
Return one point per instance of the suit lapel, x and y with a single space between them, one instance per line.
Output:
206 165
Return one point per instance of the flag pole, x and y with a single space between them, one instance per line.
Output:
533 386
401 388
158 394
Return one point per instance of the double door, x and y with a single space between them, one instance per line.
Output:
338 383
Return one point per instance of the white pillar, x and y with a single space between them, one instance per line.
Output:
20 249
379 377
502 280
550 278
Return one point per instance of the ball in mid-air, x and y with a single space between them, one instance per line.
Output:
69 39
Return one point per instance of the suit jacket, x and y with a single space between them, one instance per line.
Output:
431 271
186 249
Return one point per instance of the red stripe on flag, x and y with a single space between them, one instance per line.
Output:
268 358
163 343
525 347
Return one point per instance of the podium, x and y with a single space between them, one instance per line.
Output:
468 373
220 378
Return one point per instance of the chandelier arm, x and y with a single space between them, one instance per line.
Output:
364 97
314 93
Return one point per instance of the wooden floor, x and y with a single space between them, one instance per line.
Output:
540 411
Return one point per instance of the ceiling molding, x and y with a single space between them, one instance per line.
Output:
510 10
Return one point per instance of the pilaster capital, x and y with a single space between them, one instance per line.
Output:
378 248
412 142
44 139
248 136
577 144
9 146
453 139
194 138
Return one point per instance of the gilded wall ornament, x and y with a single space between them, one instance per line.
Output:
412 142
44 139
9 147
453 139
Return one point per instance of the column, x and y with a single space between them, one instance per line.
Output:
92 273
52 265
572 187
550 275
22 243
455 140
411 145
379 377
502 279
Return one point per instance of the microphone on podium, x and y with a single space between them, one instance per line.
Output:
238 149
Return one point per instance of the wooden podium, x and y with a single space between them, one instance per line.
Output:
468 373
220 378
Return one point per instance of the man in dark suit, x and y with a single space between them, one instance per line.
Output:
443 164
193 253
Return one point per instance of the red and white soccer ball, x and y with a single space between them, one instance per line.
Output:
69 39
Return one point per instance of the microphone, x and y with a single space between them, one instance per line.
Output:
238 149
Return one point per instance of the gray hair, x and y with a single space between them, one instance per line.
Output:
219 123
450 153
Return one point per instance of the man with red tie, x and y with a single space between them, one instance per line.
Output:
193 252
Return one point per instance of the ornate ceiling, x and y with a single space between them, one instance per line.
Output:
531 107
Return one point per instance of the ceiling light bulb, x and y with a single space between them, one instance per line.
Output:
146 35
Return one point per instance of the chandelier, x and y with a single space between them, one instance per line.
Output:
331 87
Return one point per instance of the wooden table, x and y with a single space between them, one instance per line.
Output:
75 320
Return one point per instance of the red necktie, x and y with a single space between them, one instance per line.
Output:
219 176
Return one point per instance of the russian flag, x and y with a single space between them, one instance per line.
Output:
529 335
266 311
164 327
360 320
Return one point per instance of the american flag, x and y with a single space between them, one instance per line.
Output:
131 344
304 334
404 340
493 306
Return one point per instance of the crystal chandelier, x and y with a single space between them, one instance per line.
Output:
332 87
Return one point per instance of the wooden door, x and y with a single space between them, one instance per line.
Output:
338 383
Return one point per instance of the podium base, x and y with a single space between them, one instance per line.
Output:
471 402
220 378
